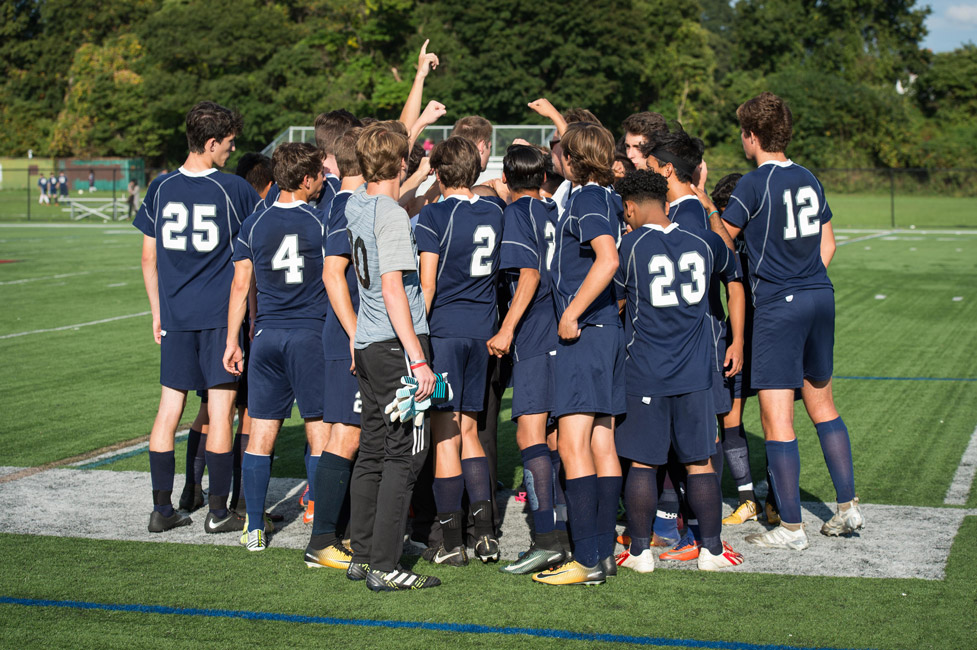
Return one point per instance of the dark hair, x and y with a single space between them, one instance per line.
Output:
414 160
473 128
676 147
457 162
292 162
346 160
380 152
208 120
645 123
577 115
769 119
331 126
624 160
642 185
724 189
590 148
255 168
524 167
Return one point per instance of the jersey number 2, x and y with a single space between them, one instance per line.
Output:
482 256
807 217
204 235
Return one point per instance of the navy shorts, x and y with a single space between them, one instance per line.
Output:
793 340
286 366
686 423
721 396
466 362
342 403
590 373
533 384
194 360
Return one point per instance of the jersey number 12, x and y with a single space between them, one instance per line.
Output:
807 216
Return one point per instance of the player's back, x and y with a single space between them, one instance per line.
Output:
665 275
335 241
781 206
284 243
466 235
195 217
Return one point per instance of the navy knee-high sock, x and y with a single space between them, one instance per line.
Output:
162 467
608 498
448 492
706 500
200 460
193 444
836 447
240 445
255 474
311 464
559 498
332 488
221 469
478 478
717 460
582 503
641 501
784 467
538 477
738 460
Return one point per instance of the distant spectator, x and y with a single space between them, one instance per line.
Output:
132 197
63 185
91 181
42 183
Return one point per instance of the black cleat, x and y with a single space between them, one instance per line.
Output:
192 497
456 556
609 565
487 549
399 580
358 571
232 523
158 523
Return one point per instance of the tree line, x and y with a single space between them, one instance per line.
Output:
115 77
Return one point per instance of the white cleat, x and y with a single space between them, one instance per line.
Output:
781 537
844 522
709 562
642 563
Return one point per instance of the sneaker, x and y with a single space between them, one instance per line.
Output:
158 523
781 537
304 499
269 528
533 561
686 549
747 511
727 558
399 580
487 549
256 540
334 556
642 563
309 515
232 523
357 571
844 522
572 573
609 566
770 510
192 497
458 556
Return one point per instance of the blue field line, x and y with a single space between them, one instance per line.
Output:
128 454
411 625
907 378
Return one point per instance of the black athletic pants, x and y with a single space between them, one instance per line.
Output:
390 457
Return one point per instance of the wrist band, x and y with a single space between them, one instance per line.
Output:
417 364
712 213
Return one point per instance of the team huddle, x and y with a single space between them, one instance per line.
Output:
630 312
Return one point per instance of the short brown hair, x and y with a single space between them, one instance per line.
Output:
381 153
575 115
591 150
768 118
457 162
645 124
292 162
346 159
208 120
473 128
331 126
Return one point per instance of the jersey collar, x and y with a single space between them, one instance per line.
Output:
474 198
655 226
785 163
187 172
683 198
290 204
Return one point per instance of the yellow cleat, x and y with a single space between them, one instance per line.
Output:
773 517
334 556
572 573
747 511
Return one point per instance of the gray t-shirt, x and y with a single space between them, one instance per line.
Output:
381 241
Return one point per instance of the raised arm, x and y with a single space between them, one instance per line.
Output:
547 110
426 61
716 223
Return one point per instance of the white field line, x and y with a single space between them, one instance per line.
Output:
963 478
905 231
90 226
72 327
46 277
866 237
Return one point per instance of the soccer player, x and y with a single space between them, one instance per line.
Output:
458 239
329 127
42 184
786 223
342 400
391 341
639 129
282 248
190 219
477 130
528 333
665 273
589 356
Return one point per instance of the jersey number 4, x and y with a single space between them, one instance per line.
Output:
663 269
807 216
287 259
204 236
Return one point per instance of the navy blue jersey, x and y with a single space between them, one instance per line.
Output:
42 183
530 229
466 235
194 217
780 207
591 212
329 191
284 242
335 241
270 197
665 275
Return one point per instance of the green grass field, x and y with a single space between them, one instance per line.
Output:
906 305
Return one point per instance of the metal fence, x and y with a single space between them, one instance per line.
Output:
78 199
